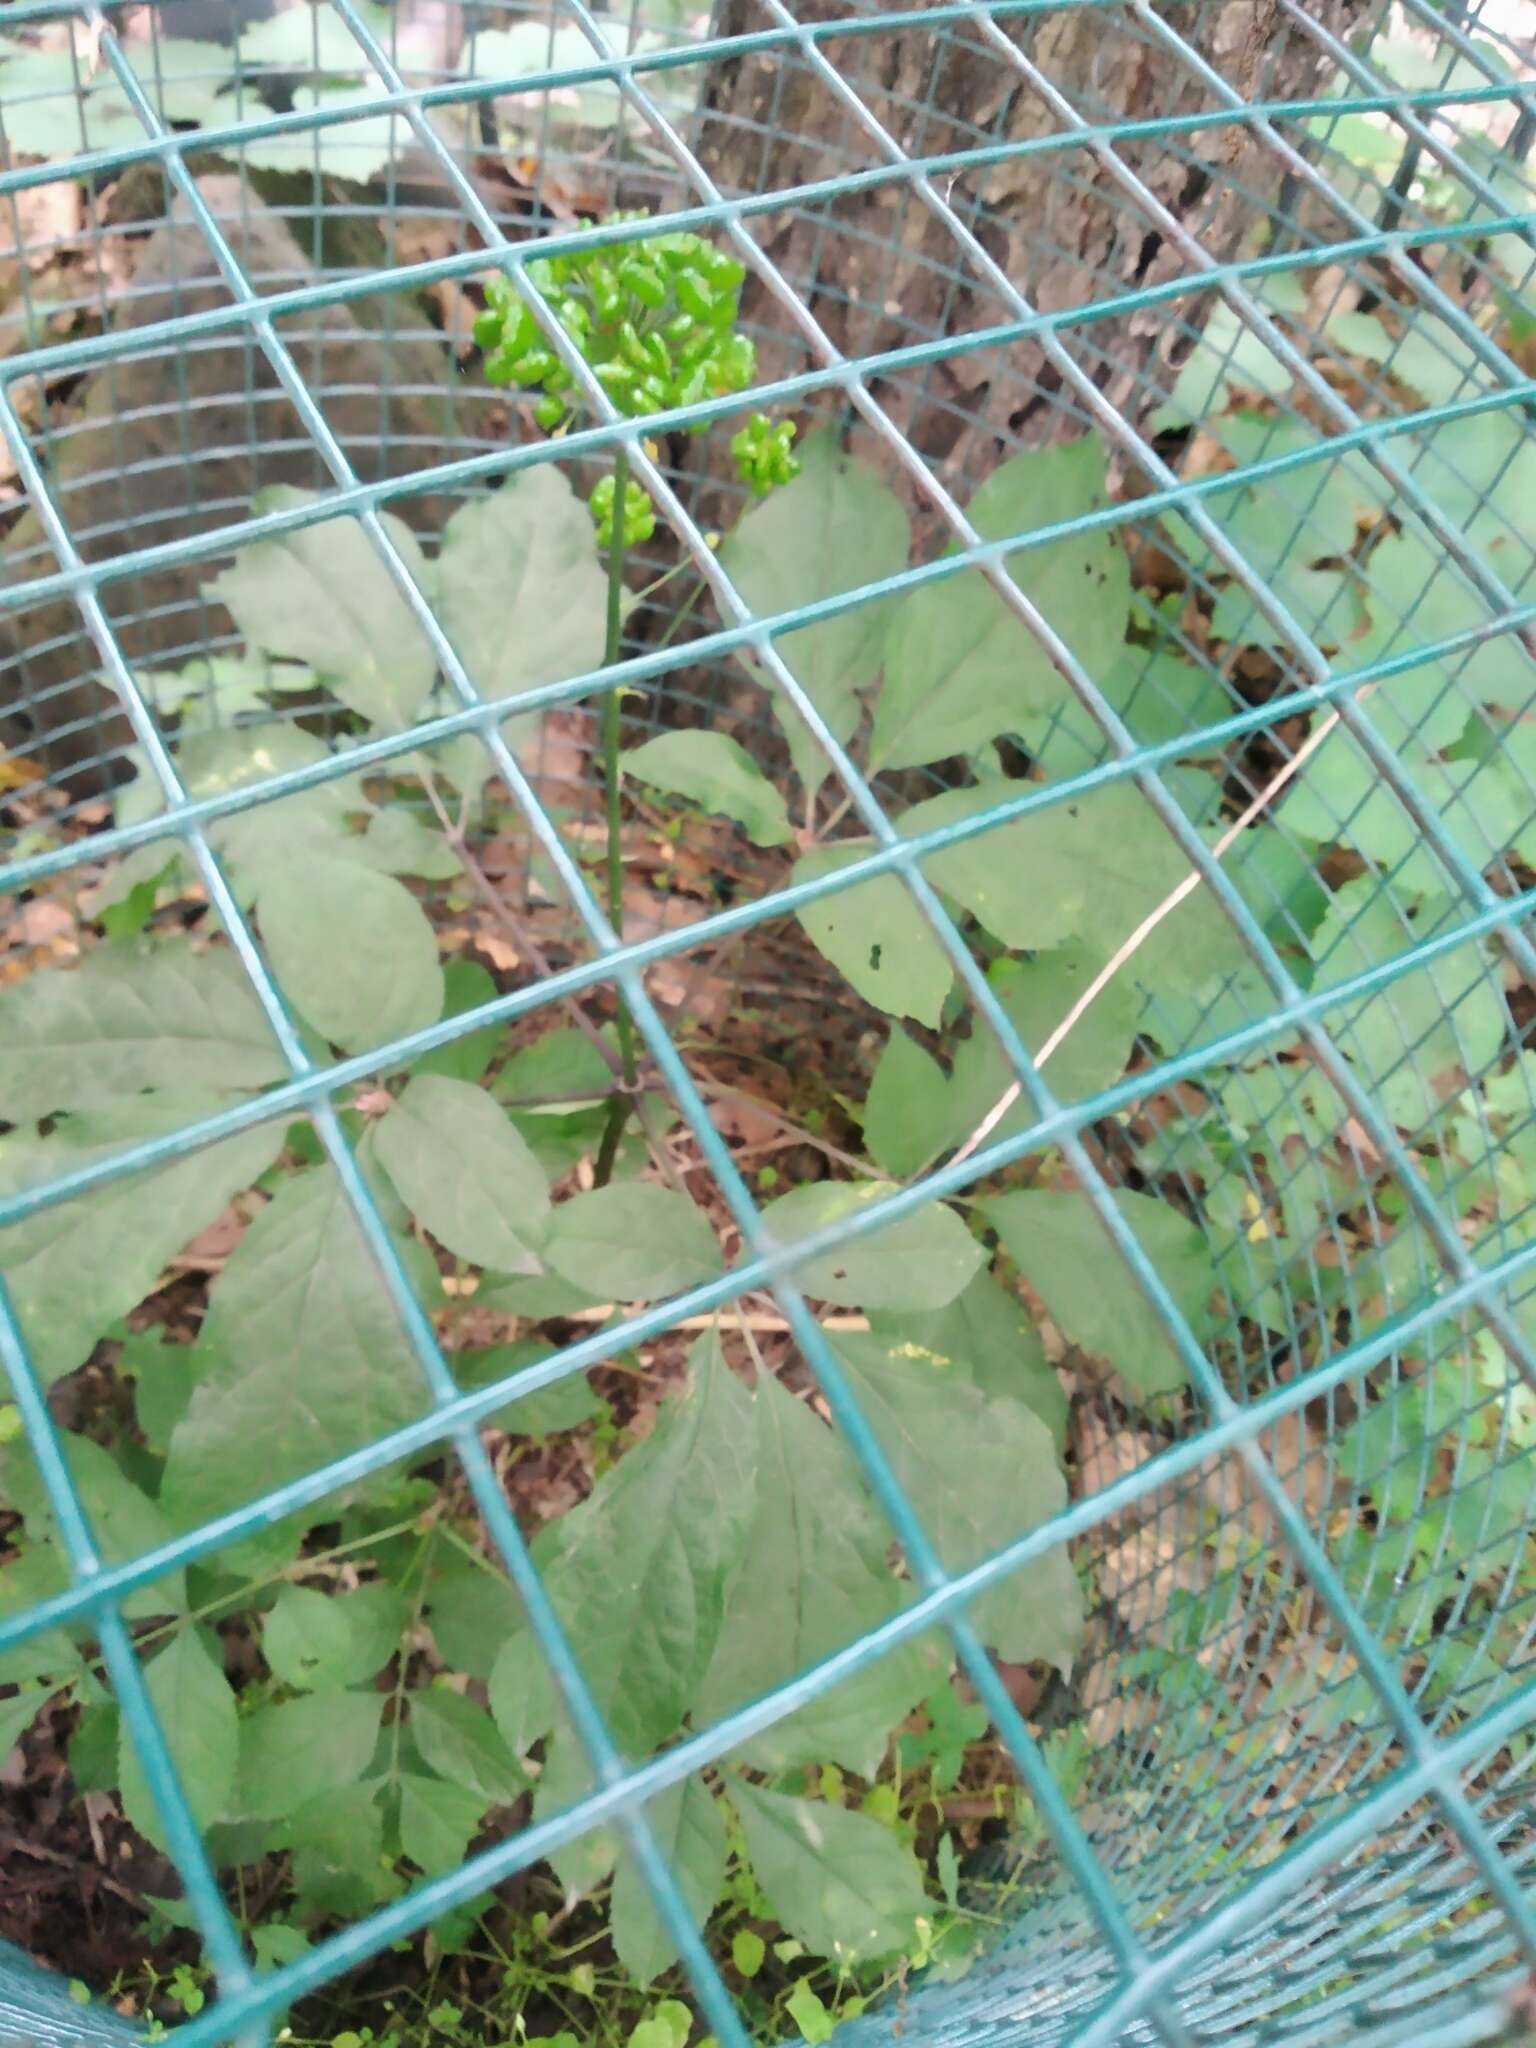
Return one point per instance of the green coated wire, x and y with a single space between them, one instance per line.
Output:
1148 1977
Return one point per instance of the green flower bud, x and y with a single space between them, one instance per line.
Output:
639 512
647 286
762 452
695 297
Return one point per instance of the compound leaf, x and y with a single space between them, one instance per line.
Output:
459 1740
437 1821
307 1639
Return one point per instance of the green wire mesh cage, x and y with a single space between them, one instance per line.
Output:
1124 848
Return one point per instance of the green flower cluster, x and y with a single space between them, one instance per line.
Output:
655 318
639 512
763 454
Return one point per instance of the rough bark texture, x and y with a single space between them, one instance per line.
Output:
156 447
879 270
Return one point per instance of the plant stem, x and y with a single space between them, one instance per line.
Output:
618 1108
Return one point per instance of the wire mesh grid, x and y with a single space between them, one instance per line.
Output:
1372 1882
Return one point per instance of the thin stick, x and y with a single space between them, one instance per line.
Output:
503 912
723 1319
618 1108
1148 925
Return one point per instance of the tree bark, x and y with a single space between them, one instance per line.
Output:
878 268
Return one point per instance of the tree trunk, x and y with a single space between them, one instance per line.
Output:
878 268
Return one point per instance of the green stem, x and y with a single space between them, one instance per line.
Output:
618 1108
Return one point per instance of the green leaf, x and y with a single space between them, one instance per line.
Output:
437 1822
124 1521
524 1703
1281 524
352 949
837 526
986 1334
196 1708
716 773
638 1571
312 38
979 1473
690 1832
337 1844
357 147
459 1741
1087 872
93 1748
922 1260
1228 356
814 1575
563 1404
300 1749
534 46
814 2023
905 1106
837 1880
275 831
565 1778
398 842
633 1241
77 1267
463 1171
1408 1036
466 985
1037 995
322 595
163 1374
307 1639
131 1016
876 937
563 1063
55 107
377 1618
748 1951
521 591
472 1608
1060 1247
310 1358
17 1716
961 668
